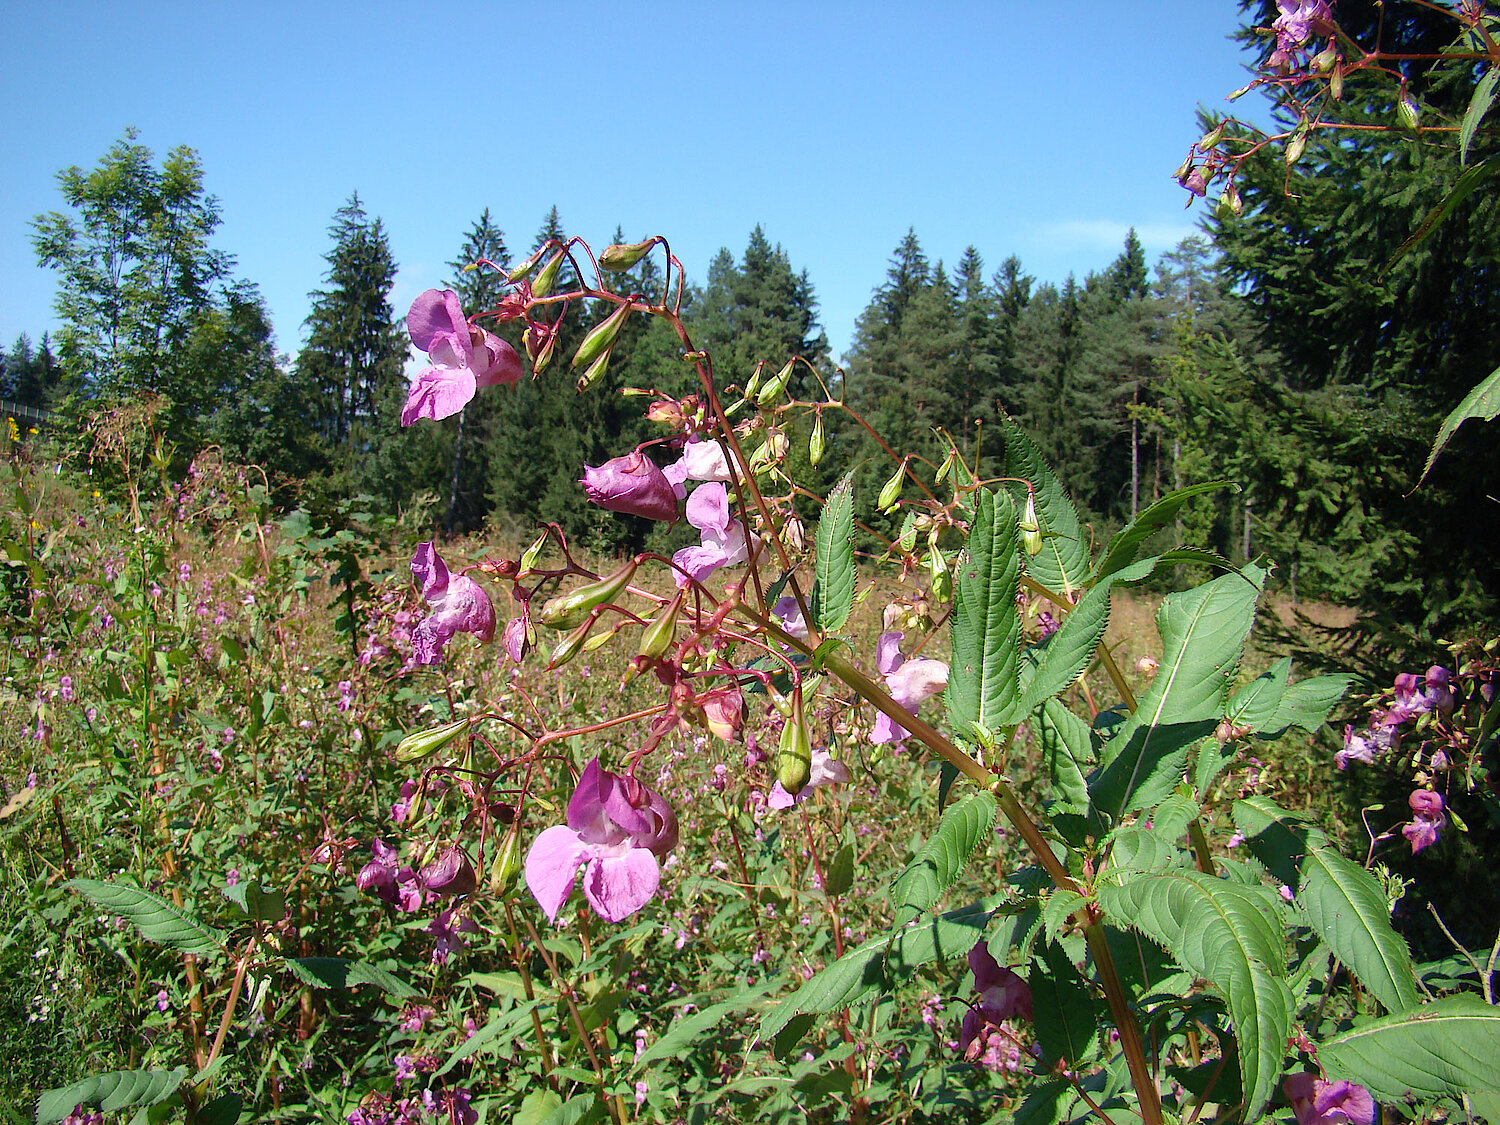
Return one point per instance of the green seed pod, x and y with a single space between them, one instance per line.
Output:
601 337
1336 83
1325 60
753 384
526 268
594 373
506 866
1407 111
772 390
566 611
601 640
571 645
1031 530
547 278
1296 146
890 495
621 257
425 743
794 753
941 575
541 353
656 637
532 553
1212 137
816 443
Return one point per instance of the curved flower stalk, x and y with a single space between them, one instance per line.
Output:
616 831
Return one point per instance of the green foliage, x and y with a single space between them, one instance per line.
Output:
834 592
157 920
1449 1047
984 679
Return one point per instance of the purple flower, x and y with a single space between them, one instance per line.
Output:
1299 21
464 358
823 771
390 879
1427 819
1003 995
1316 1102
163 1002
616 829
909 682
723 541
1432 691
790 614
446 930
1368 744
459 605
631 484
414 1017
449 873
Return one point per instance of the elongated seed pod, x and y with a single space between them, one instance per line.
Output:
566 611
794 753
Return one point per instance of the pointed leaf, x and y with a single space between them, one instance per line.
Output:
835 557
1203 634
338 972
1255 704
1307 702
1345 905
1482 402
681 1033
1232 936
119 1089
984 678
1065 654
964 827
1127 542
1479 104
1063 564
1449 1047
156 918
1066 1015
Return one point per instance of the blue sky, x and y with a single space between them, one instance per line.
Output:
1040 130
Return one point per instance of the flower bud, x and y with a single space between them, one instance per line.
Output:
1407 111
450 873
816 444
1230 203
656 637
425 743
1336 83
547 278
506 865
753 383
540 342
526 268
594 373
794 753
621 257
566 611
1212 137
1296 146
1325 60
890 495
1031 530
940 573
772 390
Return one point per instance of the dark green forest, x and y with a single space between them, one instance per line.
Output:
1275 349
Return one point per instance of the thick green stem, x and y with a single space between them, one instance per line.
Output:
1130 1032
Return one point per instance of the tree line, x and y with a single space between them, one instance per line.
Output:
1275 350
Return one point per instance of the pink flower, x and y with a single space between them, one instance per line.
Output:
723 541
1426 821
700 460
1003 995
616 829
1299 21
790 613
464 358
459 605
631 484
1316 1102
909 682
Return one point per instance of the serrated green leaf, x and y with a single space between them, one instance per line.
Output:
1065 654
1446 1048
579 1110
119 1089
536 1107
964 827
1127 542
1255 704
156 918
339 972
1307 703
1203 633
507 986
682 1032
881 961
1479 104
834 543
984 676
1066 1017
1232 936
223 1110
1345 905
1472 178
1067 750
1060 907
1063 564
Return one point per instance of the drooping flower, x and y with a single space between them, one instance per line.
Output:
459 605
464 358
909 682
790 613
631 484
723 537
824 770
390 879
1427 819
616 830
1418 695
1003 996
723 712
1300 20
449 873
1316 1102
